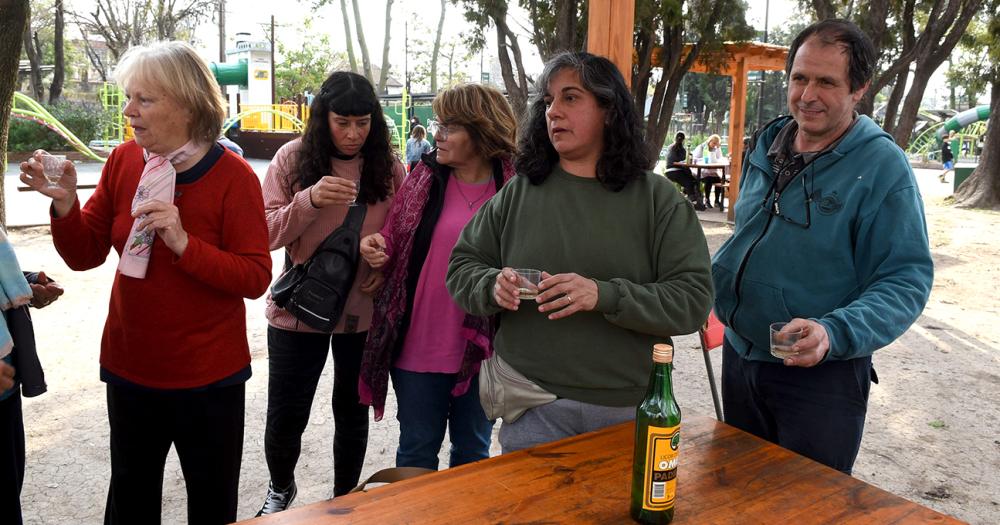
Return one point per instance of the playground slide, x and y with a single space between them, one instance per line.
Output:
976 114
25 108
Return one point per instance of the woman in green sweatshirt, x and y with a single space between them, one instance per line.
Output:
624 258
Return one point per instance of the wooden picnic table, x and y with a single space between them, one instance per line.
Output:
725 476
723 168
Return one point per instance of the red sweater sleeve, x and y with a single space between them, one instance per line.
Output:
83 237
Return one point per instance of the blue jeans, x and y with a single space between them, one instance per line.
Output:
426 407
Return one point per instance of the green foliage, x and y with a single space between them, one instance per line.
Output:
304 69
84 119
978 58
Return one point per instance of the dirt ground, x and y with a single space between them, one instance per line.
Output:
931 435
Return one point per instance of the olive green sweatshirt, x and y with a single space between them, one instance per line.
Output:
644 248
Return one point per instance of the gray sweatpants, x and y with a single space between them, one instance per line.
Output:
559 419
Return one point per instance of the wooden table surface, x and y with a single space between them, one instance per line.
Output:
725 476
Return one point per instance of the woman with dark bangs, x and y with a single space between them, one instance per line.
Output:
345 155
624 261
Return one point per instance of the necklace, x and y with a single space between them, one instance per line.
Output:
472 202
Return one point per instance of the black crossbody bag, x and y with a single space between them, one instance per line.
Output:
316 291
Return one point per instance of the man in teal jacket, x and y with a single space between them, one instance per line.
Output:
830 236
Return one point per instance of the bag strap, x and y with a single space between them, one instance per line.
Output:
355 217
392 475
354 220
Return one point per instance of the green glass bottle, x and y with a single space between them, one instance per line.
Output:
657 438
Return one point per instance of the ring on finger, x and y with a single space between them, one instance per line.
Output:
569 298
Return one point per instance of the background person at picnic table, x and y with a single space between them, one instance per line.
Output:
188 218
830 236
344 154
20 370
709 177
682 174
624 258
417 332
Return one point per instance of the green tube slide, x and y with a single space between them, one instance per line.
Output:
230 74
976 114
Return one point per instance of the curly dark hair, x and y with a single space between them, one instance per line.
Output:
350 95
624 157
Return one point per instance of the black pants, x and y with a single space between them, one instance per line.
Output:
11 459
295 362
709 182
685 178
206 429
818 412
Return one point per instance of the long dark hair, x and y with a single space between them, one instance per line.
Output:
350 95
624 157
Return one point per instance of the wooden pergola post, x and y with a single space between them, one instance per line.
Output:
610 26
737 119
737 61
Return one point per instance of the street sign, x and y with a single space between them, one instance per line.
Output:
485 77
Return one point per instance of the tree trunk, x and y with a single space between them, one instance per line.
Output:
347 34
35 76
365 61
892 105
13 21
384 74
982 188
911 106
566 25
59 73
824 9
437 50
517 87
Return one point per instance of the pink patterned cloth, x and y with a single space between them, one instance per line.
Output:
390 302
156 183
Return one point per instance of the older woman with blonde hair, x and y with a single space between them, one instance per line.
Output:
419 335
187 218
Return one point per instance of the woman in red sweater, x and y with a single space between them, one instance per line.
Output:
344 157
187 218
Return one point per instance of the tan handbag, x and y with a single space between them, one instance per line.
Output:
505 393
392 475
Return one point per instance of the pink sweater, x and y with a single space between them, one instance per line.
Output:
294 224
434 341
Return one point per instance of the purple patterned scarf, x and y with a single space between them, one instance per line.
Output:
390 302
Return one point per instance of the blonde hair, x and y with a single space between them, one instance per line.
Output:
418 132
716 138
484 113
176 69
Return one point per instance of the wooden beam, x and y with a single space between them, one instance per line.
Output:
610 26
737 118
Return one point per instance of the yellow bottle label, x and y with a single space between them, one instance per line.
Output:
660 483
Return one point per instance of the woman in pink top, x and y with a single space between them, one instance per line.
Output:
419 336
345 154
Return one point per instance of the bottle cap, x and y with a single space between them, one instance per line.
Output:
663 353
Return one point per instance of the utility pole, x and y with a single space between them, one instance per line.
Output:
273 43
222 31
763 74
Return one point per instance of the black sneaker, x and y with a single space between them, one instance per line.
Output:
699 206
277 501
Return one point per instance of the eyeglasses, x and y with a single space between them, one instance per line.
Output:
444 130
771 206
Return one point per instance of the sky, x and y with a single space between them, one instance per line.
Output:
421 16
254 16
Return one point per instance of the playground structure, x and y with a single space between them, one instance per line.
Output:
25 108
969 126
